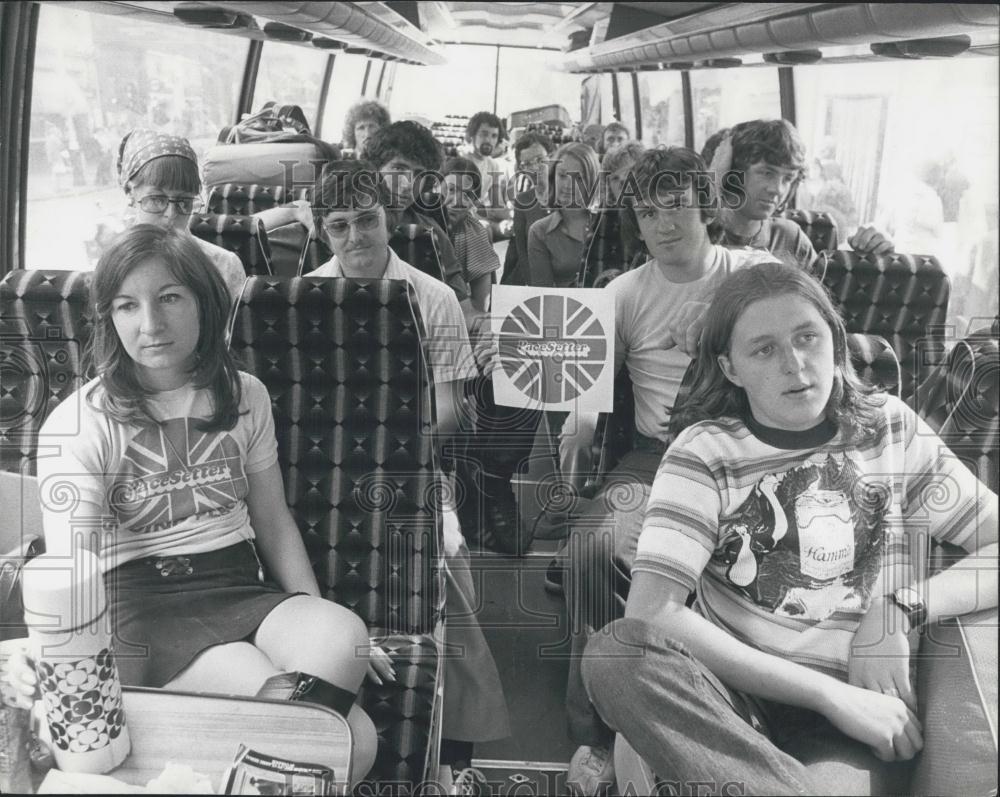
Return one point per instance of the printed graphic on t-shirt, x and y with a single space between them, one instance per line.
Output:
173 472
807 542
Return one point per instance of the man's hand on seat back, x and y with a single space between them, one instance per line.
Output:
870 241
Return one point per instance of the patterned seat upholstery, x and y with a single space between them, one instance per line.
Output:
243 235
245 200
343 363
45 324
415 245
903 298
607 252
959 400
819 227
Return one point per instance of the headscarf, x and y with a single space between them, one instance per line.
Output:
141 146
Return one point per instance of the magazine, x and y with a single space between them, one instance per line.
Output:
257 773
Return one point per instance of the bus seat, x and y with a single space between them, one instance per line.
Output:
875 361
45 324
247 199
415 245
959 400
343 362
903 298
243 235
607 252
820 228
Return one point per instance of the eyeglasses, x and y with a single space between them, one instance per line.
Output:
158 203
366 222
534 163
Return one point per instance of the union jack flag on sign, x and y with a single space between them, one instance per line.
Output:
555 347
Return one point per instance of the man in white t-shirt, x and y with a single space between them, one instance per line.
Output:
658 308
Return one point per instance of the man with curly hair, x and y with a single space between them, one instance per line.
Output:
409 158
483 133
769 157
363 119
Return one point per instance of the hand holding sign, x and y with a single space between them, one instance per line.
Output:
686 331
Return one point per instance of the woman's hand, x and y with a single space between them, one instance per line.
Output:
380 667
19 674
880 654
881 721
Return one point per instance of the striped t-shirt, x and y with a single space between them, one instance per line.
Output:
787 547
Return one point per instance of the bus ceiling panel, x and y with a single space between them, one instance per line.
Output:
369 26
791 26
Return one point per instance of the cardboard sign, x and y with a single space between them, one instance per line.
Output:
557 348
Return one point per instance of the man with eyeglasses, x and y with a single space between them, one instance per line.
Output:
351 213
350 210
531 152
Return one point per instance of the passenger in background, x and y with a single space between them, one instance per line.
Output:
461 189
160 176
363 119
617 165
654 305
555 243
353 217
607 250
770 156
483 134
408 157
531 153
593 137
614 137
796 505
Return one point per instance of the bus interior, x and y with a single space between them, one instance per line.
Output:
898 106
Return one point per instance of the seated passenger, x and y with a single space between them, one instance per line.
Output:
461 189
531 153
483 134
352 217
797 507
770 156
364 118
555 243
407 155
614 138
209 585
159 173
607 248
654 305
593 137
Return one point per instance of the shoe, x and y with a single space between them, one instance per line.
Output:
591 771
555 577
470 781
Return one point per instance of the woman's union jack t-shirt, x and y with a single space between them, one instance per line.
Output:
787 547
160 490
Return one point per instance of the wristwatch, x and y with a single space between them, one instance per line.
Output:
913 606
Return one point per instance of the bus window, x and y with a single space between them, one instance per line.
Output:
528 80
626 101
661 100
345 90
723 97
97 77
911 147
463 86
291 75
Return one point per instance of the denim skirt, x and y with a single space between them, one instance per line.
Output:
167 610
